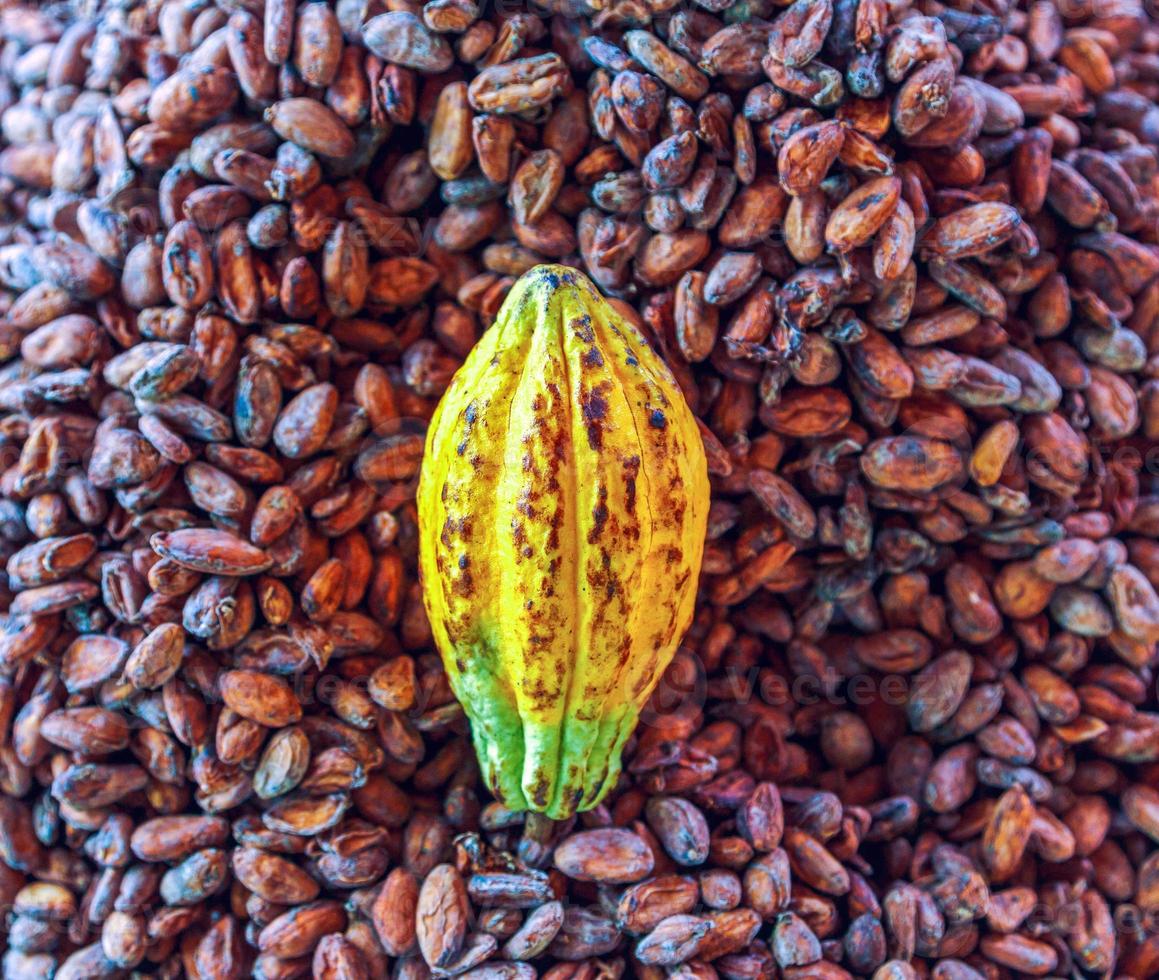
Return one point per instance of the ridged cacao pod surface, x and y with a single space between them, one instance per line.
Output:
562 503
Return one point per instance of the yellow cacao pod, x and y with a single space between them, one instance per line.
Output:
562 506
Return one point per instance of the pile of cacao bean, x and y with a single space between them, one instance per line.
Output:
901 256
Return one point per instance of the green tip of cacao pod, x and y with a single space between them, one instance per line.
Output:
562 504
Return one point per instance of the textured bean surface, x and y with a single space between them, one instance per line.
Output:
902 258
